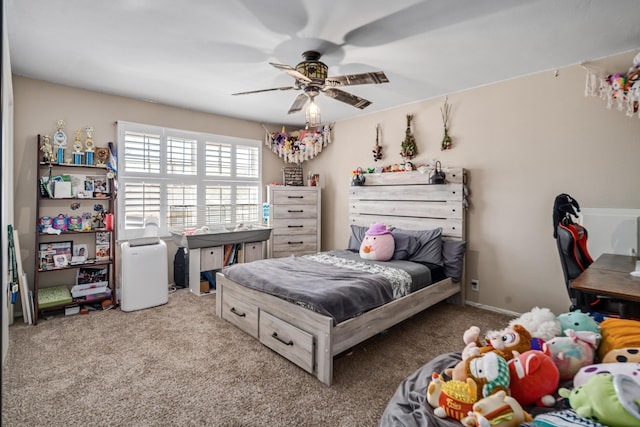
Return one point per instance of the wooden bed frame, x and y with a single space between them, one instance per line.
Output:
311 340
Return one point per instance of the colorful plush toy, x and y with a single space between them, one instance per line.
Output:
497 410
534 378
572 352
513 338
479 376
632 370
489 371
378 243
540 322
609 399
579 321
451 398
622 355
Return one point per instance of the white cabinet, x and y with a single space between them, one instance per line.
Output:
295 220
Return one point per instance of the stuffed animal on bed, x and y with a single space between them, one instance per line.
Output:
513 338
497 410
378 243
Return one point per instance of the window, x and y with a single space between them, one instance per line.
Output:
185 179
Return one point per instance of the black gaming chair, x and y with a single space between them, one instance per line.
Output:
571 239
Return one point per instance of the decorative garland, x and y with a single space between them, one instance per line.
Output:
300 145
619 89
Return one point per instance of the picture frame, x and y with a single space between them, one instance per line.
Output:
55 254
80 253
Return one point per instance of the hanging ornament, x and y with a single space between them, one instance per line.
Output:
409 148
377 149
446 110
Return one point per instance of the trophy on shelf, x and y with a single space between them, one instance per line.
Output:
60 140
102 155
88 143
77 149
47 149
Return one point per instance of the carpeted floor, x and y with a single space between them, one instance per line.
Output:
181 365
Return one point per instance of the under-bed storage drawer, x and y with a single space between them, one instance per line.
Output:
241 314
284 338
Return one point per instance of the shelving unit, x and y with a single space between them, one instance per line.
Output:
49 244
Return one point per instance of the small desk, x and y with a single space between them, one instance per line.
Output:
609 276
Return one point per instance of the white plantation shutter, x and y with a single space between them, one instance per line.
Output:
185 179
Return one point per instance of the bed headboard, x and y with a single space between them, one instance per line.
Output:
406 200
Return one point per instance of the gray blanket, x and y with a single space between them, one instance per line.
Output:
333 290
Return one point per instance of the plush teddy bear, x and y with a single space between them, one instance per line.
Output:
540 322
514 338
378 243
611 400
497 410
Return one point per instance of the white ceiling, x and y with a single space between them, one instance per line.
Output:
195 53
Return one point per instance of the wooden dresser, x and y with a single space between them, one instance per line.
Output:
294 215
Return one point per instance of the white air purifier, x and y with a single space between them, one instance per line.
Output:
144 272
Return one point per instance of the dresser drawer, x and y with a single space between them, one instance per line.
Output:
284 338
294 226
307 250
294 211
295 197
241 314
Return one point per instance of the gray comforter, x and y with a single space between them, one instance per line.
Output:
337 283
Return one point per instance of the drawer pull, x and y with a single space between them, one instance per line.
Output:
295 243
295 197
275 335
295 226
234 311
294 211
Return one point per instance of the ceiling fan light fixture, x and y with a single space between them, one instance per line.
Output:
313 113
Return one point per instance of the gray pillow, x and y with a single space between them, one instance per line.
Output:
453 257
429 245
405 246
357 235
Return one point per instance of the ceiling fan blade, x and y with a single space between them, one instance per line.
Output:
348 98
292 72
267 90
298 103
375 77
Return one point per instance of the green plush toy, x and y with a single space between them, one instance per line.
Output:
612 400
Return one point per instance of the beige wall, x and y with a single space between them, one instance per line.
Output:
38 107
523 142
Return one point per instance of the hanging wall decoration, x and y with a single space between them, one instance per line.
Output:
300 145
619 89
446 111
377 149
409 148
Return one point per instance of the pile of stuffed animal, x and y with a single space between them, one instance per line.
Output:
585 372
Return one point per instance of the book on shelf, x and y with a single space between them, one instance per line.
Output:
53 296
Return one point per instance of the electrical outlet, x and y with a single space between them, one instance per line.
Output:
475 285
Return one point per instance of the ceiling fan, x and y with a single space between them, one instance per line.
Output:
311 76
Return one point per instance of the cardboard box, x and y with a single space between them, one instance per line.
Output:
204 286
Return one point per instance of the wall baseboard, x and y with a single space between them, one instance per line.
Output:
494 309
